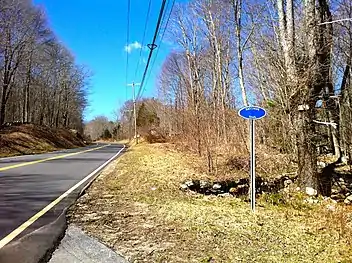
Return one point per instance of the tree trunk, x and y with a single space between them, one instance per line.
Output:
325 41
3 105
344 103
26 104
26 92
307 158
238 14
335 134
307 153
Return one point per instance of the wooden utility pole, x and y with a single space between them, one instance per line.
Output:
134 108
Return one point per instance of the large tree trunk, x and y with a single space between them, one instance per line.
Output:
317 78
307 155
307 158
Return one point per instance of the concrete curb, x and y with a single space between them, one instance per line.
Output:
38 246
77 246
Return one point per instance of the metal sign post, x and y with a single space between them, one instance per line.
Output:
252 113
252 174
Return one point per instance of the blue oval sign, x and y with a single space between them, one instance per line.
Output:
252 113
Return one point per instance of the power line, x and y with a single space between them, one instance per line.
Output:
144 33
152 46
127 39
160 41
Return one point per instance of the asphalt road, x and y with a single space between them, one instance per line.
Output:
30 183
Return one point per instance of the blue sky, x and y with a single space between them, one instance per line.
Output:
95 32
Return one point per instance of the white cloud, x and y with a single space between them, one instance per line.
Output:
144 60
132 46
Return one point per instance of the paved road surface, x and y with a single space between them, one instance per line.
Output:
30 183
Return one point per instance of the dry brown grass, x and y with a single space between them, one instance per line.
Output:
231 163
29 139
125 141
137 209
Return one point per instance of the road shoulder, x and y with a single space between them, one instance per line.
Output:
76 246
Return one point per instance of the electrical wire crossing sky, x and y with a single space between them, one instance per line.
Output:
111 39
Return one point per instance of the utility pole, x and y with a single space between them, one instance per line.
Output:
134 108
130 124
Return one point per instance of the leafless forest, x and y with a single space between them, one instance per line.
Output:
291 57
40 81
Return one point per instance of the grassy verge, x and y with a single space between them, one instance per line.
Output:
136 207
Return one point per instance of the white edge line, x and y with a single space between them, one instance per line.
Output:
34 218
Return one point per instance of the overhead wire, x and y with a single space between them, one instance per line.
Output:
127 41
152 45
160 41
143 39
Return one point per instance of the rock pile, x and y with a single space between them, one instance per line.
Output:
342 191
237 187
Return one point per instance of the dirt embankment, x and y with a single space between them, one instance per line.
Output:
29 139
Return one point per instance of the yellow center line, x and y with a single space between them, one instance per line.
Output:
42 212
49 159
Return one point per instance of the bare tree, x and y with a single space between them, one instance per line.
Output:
40 82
